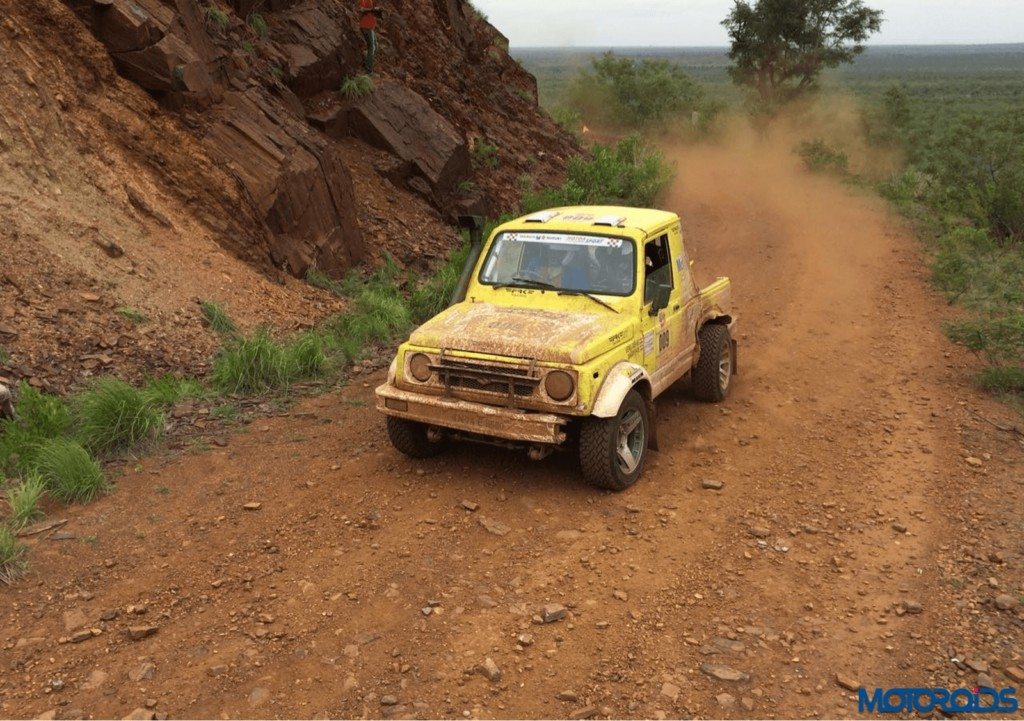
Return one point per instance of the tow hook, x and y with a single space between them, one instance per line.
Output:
539 453
435 434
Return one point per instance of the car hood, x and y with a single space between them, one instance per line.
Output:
544 335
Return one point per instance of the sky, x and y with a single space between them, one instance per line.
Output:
681 23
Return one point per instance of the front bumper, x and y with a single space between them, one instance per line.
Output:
470 417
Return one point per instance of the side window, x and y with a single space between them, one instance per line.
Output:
657 267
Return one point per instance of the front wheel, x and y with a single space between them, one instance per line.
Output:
411 438
713 373
613 450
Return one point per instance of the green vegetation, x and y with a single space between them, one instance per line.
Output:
166 390
217 318
780 47
133 315
255 364
258 24
630 173
5 356
218 17
111 416
820 156
68 471
12 556
622 91
485 154
466 187
23 499
358 86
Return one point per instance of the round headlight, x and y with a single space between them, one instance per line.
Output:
419 366
559 385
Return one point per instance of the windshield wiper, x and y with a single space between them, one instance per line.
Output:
588 295
518 282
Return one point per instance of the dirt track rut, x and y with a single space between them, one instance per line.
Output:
846 424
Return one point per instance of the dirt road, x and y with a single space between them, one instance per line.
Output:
850 536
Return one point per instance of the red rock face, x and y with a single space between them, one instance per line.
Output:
267 108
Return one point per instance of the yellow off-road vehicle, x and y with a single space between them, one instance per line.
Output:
565 326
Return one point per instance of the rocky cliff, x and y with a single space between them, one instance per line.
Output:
258 83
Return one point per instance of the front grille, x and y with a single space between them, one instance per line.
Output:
499 379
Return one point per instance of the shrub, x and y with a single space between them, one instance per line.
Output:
250 365
23 499
110 415
217 319
630 173
1002 379
68 471
624 91
486 153
358 86
12 553
820 156
217 16
258 24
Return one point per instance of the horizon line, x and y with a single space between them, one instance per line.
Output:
936 44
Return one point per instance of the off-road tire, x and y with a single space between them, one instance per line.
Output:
598 451
715 346
410 438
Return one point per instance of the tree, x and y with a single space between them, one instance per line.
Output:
779 47
623 91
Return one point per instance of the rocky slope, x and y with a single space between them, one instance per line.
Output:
155 152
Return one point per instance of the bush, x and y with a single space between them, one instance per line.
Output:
250 365
217 16
1002 379
820 156
111 416
258 24
12 553
68 471
631 173
635 93
217 318
23 499
358 86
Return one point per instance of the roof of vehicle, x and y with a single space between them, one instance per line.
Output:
593 219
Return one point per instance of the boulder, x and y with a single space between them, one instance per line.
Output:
296 179
398 120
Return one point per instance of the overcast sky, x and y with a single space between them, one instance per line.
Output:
605 23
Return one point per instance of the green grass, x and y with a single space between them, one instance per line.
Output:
358 86
250 365
69 472
40 416
133 315
258 24
110 416
305 357
12 556
217 16
217 319
23 499
486 154
5 355
166 390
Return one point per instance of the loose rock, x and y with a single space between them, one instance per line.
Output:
723 673
137 633
553 612
489 669
847 682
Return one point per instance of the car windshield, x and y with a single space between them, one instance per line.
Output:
595 264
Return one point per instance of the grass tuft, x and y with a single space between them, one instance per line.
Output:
133 315
217 318
217 16
68 471
258 24
358 86
23 500
12 553
306 357
255 364
168 390
111 415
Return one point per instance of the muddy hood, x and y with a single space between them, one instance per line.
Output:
543 335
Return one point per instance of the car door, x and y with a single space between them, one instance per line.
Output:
663 337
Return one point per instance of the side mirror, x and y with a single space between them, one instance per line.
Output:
662 295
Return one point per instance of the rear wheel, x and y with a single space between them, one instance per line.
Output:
613 450
411 438
713 373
